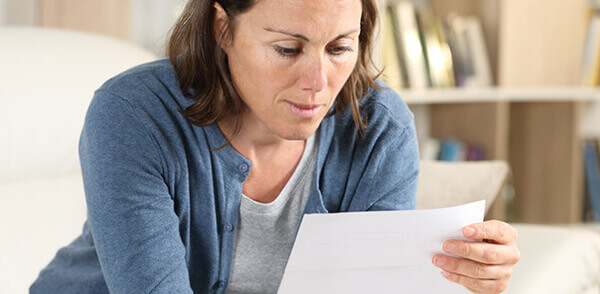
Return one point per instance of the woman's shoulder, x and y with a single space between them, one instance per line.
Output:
149 90
139 84
144 101
387 117
160 69
383 104
384 111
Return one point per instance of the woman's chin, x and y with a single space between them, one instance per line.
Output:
297 132
298 136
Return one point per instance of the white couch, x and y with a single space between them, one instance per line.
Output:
47 78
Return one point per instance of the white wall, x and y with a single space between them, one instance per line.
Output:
18 12
152 20
2 12
422 115
590 120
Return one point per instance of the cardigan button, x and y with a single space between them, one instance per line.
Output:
220 284
228 227
243 167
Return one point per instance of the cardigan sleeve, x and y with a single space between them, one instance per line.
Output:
395 171
130 211
390 154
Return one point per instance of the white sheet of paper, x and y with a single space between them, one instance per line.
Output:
375 252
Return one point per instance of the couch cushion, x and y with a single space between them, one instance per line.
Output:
444 184
38 217
556 260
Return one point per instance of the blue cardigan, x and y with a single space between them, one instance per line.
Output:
163 205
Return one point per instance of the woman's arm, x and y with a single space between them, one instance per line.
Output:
390 154
131 213
395 170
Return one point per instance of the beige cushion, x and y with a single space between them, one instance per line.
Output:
444 184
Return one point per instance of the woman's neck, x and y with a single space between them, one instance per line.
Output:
255 141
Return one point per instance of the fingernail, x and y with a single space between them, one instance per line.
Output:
450 247
439 261
445 273
469 232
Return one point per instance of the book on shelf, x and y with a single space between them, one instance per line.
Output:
450 150
438 56
473 66
430 52
429 149
411 48
590 75
592 180
393 74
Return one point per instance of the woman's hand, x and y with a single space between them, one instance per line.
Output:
486 266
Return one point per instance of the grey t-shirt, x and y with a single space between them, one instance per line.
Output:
266 231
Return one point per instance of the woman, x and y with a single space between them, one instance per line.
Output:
198 169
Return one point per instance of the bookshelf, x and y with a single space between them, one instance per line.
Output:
535 129
531 115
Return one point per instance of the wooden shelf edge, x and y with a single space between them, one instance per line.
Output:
499 94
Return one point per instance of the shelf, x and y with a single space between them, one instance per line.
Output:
536 128
477 95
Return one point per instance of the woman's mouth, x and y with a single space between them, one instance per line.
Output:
303 110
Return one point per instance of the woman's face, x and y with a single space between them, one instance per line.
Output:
289 60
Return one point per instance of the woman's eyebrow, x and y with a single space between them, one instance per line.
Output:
300 36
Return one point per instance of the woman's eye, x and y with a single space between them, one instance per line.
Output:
339 50
287 51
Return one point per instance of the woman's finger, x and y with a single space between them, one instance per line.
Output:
483 252
477 285
471 268
497 231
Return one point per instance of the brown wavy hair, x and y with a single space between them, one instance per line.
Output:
203 72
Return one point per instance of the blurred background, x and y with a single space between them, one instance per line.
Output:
144 22
515 81
487 80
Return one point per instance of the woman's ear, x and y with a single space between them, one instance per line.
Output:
220 24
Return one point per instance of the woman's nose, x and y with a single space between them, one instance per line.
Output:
314 77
